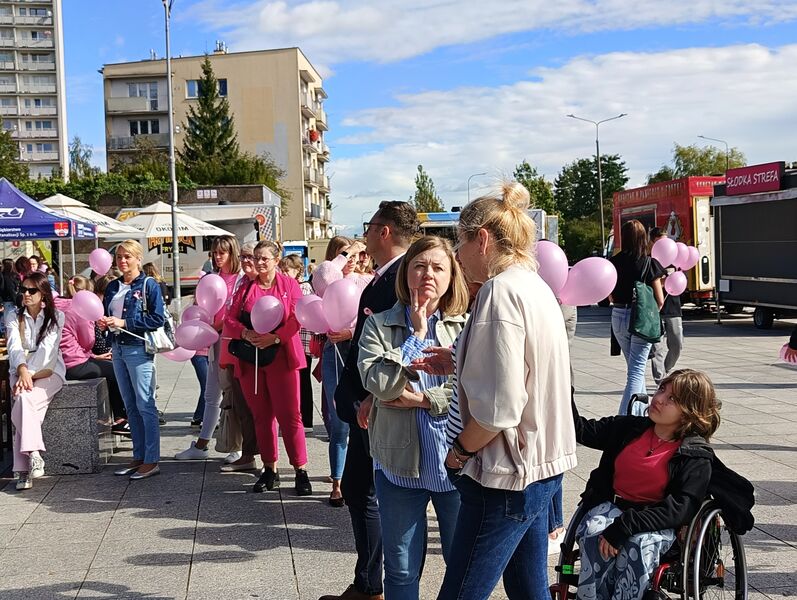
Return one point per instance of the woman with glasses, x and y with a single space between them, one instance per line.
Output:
226 264
37 372
340 260
276 395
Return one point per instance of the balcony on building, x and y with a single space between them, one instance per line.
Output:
33 20
8 88
26 42
39 156
310 177
37 66
136 104
6 19
6 111
308 145
7 65
38 111
314 212
37 88
323 152
116 143
28 134
323 183
321 118
308 105
6 42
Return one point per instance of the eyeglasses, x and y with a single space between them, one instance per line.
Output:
263 258
367 226
244 257
27 290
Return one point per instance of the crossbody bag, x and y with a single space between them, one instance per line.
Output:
645 318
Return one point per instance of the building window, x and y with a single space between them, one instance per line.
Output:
147 89
192 88
145 127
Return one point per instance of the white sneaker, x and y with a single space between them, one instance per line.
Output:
232 457
555 544
36 467
24 481
192 453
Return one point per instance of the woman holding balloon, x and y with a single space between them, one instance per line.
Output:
133 365
341 257
213 297
263 314
668 349
633 264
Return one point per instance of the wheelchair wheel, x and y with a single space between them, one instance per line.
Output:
569 564
718 568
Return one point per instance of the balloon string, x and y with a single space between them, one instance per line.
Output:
256 369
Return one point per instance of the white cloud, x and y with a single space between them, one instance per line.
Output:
334 31
743 94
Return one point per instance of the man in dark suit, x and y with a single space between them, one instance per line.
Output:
387 236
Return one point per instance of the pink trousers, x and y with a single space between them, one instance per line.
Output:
27 415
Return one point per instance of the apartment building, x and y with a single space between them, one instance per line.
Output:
276 98
32 90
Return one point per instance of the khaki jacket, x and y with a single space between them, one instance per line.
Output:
513 377
393 432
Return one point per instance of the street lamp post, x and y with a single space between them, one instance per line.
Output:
167 8
598 154
727 149
471 177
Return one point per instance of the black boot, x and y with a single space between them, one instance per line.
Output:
269 480
303 487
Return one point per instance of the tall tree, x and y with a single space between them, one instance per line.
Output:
80 159
540 190
425 198
696 160
10 168
210 130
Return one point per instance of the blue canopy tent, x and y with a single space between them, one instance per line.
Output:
22 218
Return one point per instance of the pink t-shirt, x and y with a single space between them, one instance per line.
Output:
641 472
77 336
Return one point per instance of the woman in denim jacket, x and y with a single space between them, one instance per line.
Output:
407 422
134 367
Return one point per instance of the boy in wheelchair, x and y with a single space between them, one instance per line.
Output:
651 480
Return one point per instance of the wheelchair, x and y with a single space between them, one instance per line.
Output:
706 561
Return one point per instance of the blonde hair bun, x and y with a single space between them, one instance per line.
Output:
515 195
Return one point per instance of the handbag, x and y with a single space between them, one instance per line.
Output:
246 351
645 318
162 339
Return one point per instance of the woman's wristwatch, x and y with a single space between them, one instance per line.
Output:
460 454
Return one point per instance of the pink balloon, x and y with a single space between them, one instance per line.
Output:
665 251
211 293
267 314
340 302
195 335
682 258
87 306
782 355
553 265
589 281
694 258
100 261
310 314
197 313
179 354
675 284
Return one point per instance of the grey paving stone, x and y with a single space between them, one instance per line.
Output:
32 535
41 586
54 558
158 582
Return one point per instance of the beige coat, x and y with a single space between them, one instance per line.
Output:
393 432
513 377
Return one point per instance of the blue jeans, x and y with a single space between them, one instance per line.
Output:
135 373
331 367
500 531
402 512
200 364
635 350
555 517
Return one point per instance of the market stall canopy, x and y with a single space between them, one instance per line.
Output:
155 221
22 218
76 209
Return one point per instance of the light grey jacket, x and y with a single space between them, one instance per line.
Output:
393 431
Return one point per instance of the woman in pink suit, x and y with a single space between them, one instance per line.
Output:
277 392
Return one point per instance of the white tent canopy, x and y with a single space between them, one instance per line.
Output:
155 221
76 209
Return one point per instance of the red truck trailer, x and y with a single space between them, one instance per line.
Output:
682 209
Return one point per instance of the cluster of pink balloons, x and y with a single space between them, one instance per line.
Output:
100 261
589 281
196 331
677 254
336 311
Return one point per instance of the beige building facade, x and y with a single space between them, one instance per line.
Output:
32 88
276 98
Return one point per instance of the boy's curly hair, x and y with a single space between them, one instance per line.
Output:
694 394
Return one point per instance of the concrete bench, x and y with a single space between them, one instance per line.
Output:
77 429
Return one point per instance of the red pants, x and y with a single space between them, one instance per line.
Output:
277 398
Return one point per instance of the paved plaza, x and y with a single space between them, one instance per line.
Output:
195 533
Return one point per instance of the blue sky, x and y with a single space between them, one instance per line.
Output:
466 86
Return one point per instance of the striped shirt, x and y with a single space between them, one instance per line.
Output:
431 429
454 426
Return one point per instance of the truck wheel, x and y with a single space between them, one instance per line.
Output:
734 309
763 318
